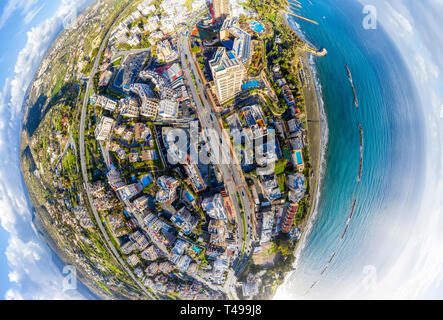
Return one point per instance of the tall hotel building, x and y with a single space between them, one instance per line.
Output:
228 73
221 8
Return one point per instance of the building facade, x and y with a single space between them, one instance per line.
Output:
228 73
104 128
221 9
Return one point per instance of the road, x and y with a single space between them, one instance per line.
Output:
89 88
231 170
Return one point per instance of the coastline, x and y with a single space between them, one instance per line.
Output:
314 130
313 122
316 147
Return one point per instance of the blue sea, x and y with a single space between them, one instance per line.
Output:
387 195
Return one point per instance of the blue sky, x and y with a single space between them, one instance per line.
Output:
27 29
415 28
14 24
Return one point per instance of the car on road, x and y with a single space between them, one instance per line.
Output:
212 118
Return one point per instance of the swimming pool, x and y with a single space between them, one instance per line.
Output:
256 26
189 197
253 84
299 158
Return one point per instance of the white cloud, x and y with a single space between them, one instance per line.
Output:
402 23
415 28
410 264
32 273
32 14
15 5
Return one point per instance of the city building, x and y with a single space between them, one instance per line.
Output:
221 9
221 265
129 107
288 219
192 269
150 253
104 128
254 120
184 220
267 226
175 154
129 191
140 239
216 227
166 267
297 187
149 105
115 180
270 187
242 40
228 73
105 78
151 24
141 131
106 103
250 289
165 52
154 227
83 217
141 203
152 269
183 263
178 250
195 177
128 247
214 207
168 187
168 108
133 260
146 7
148 155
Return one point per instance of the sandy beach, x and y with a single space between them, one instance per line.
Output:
314 135
314 132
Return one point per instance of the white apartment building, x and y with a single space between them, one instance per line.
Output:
152 24
106 103
146 7
214 207
168 108
228 73
221 8
104 128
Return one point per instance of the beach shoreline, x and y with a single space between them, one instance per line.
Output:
314 135
316 147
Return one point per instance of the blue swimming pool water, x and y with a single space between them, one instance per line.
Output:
256 26
189 197
299 159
